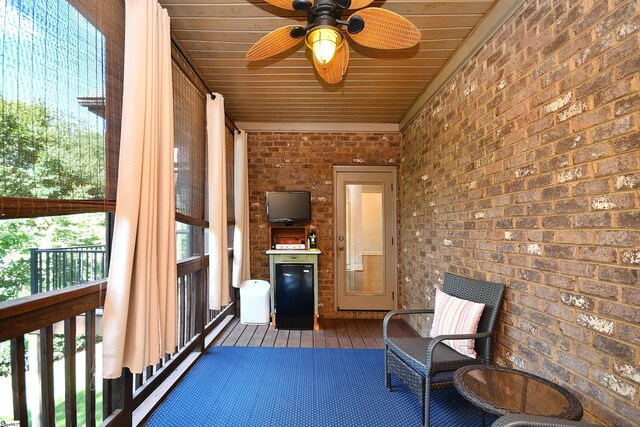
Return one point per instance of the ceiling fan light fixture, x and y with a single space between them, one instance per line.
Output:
371 27
324 41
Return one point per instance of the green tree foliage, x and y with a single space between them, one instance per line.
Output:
45 158
16 238
23 134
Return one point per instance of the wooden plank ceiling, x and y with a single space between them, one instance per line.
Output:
379 87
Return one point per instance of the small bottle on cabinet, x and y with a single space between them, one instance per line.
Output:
312 239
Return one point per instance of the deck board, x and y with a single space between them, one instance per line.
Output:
375 328
365 333
246 336
354 334
269 337
407 329
330 334
319 340
396 331
281 338
258 336
343 336
234 334
294 339
306 339
333 333
225 332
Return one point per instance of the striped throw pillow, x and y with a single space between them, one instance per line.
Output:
456 316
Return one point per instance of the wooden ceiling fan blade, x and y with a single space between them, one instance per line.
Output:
384 29
275 42
334 71
359 4
282 4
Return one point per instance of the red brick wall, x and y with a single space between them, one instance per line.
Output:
282 161
525 170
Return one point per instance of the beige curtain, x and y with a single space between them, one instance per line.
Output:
217 183
140 308
241 263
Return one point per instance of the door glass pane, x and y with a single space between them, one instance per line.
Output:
364 239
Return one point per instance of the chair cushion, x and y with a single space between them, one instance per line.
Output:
413 351
456 316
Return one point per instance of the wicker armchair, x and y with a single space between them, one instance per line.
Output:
423 362
520 420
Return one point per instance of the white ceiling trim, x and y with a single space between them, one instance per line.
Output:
318 127
502 11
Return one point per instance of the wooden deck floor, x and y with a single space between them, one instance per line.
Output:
333 333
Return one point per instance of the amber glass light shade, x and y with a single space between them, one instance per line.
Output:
324 41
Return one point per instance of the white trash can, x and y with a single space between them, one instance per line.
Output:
255 302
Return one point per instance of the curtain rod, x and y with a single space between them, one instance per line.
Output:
204 83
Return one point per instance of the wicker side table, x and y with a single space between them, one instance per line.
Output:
501 391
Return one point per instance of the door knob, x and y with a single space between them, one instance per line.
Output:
341 248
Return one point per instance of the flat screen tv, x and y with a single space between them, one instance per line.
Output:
288 207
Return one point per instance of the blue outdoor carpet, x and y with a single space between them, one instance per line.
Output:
307 387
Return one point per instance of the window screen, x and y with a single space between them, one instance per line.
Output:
60 101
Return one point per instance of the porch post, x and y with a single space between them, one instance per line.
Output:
121 397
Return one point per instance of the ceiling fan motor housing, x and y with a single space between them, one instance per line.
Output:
325 12
321 13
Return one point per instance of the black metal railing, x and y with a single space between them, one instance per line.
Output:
60 268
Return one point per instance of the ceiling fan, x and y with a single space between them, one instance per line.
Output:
372 27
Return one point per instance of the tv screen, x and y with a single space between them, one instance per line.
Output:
288 206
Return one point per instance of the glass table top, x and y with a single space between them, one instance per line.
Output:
501 390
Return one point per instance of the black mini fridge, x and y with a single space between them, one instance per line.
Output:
294 296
